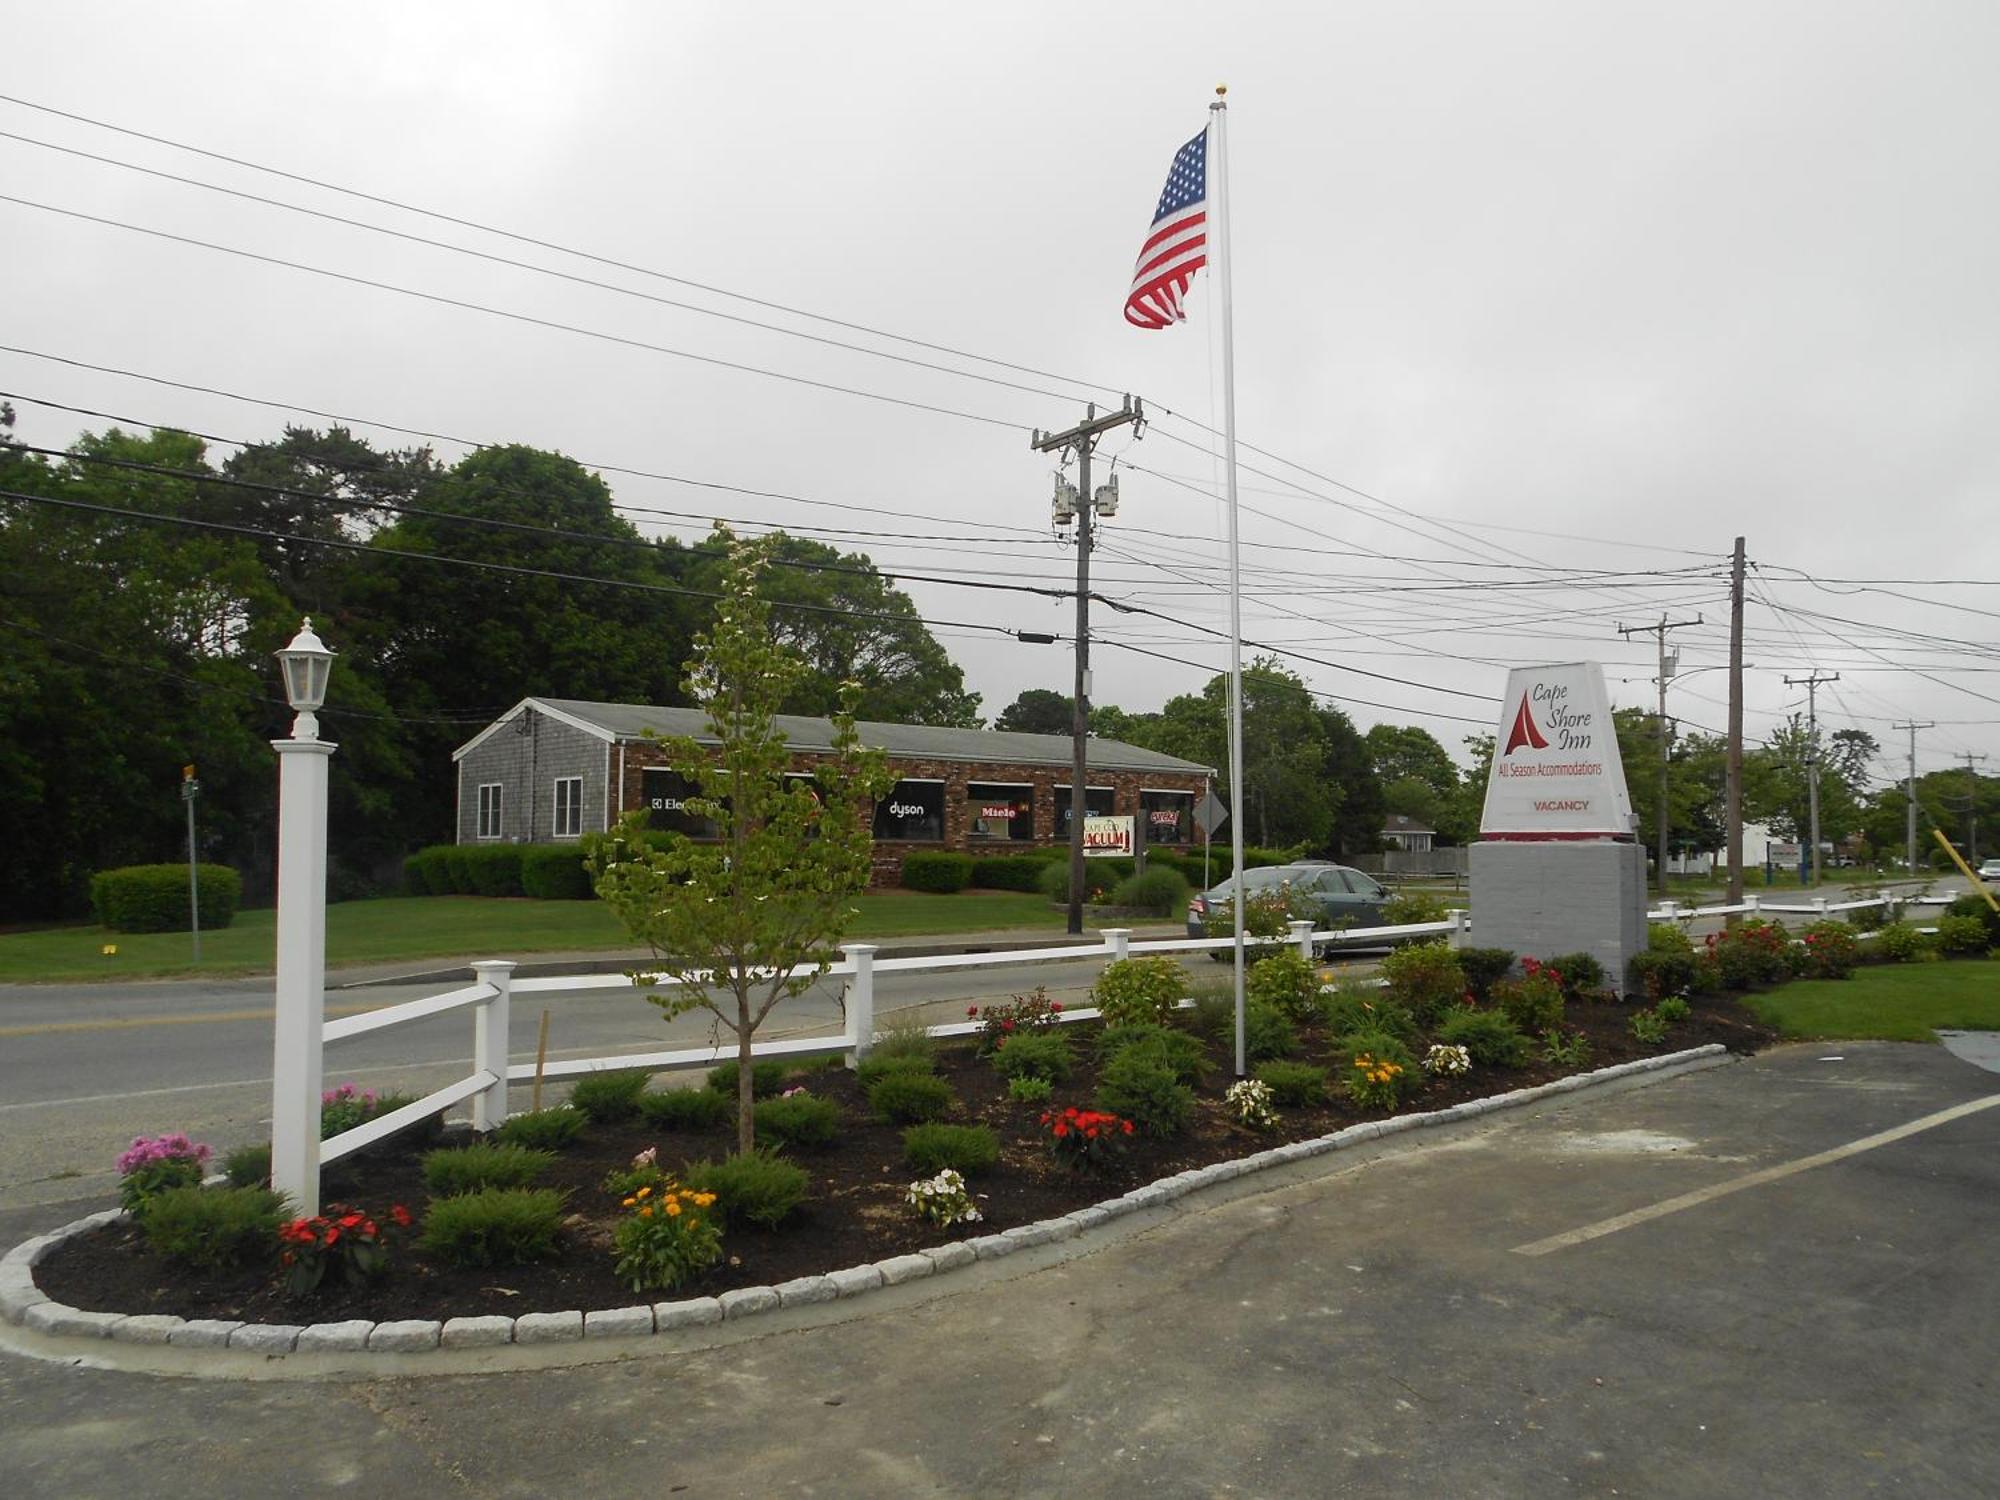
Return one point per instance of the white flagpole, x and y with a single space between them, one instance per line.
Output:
1218 168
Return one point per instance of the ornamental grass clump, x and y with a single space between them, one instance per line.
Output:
494 1227
970 1149
686 1109
1033 1054
1139 989
1142 1088
944 1200
1086 1139
758 1186
1294 1084
542 1129
875 1066
1352 1009
1178 1050
1286 981
610 1098
485 1164
798 1120
1249 1103
668 1237
910 1098
1488 1037
210 1228
248 1166
343 1239
1268 1033
767 1078
157 1164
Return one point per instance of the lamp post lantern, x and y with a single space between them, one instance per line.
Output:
301 981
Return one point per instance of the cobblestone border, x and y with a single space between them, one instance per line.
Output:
23 1303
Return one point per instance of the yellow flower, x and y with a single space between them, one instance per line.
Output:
644 1192
646 1212
628 1202
703 1200
673 1209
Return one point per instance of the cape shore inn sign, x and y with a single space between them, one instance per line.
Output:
1556 772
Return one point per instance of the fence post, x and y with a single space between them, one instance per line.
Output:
1461 925
1670 911
1754 901
489 1042
1118 940
860 1003
1819 907
1302 938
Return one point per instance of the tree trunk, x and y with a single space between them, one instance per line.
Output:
746 1097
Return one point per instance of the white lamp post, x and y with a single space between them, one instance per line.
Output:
301 983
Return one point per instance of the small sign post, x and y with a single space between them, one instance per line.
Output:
191 789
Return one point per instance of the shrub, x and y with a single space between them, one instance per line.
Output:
1581 975
555 872
495 869
542 1129
1028 1089
1161 892
1266 915
1249 1103
211 1227
469 1169
907 1098
1648 1027
760 1188
1008 872
345 1106
875 1066
610 1098
1424 978
1084 1139
417 873
1023 1013
1141 1086
1366 1008
766 1078
154 898
1406 908
903 1034
1381 1075
1139 989
1267 1033
248 1166
1668 965
1832 950
1286 981
494 1227
799 1120
686 1109
1483 967
1534 1002
1043 1054
1493 1040
1178 1050
1751 953
666 1239
1566 1049
970 1149
153 1165
1898 942
943 1200
1961 936
1214 1012
1293 1083
1972 904
458 869
937 870
1673 1010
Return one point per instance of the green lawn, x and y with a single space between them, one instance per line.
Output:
1888 1002
454 927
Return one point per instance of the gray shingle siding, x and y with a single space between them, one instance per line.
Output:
528 766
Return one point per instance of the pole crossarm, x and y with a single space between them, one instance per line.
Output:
1660 630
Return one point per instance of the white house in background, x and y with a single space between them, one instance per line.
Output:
1757 842
1401 831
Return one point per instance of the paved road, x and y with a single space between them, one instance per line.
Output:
1732 1302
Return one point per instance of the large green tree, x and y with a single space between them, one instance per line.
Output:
1040 711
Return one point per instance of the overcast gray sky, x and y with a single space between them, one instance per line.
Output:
1570 286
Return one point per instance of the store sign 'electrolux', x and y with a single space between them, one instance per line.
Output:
1108 835
1556 772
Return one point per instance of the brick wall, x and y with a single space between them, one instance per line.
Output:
956 775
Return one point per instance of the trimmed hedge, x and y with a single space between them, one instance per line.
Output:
937 871
555 872
154 898
549 872
1008 872
496 869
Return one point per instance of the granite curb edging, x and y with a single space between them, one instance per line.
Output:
24 1304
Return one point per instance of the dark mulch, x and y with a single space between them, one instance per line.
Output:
855 1213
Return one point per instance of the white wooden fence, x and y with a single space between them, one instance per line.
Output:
490 996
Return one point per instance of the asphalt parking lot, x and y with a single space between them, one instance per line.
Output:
1699 1287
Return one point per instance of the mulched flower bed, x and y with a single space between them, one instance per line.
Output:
854 1214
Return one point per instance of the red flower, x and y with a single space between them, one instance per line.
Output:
1056 1006
1061 1130
350 1221
972 1010
1128 1126
401 1216
332 1237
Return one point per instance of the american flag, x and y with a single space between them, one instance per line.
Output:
1177 244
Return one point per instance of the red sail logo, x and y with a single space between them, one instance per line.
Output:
1524 731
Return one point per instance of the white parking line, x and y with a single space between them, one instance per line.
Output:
1751 1179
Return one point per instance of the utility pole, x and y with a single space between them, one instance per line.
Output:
1910 791
1732 797
1666 671
1811 684
1082 440
1972 808
191 789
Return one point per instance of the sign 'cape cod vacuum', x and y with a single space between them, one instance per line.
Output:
1556 771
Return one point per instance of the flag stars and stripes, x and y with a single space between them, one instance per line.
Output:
1177 243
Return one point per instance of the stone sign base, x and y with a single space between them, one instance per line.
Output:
1561 896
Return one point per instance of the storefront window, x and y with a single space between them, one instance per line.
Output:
1098 802
666 793
1169 817
996 811
912 812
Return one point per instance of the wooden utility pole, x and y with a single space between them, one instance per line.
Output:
1733 781
1666 671
1811 683
1082 440
1972 808
1910 791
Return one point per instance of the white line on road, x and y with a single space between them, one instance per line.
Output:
1752 1179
